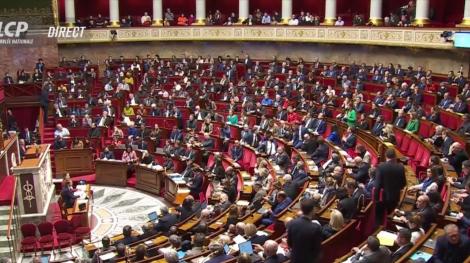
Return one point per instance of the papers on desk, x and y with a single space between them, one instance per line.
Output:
148 242
242 203
239 239
386 238
107 256
421 255
430 244
262 233
81 187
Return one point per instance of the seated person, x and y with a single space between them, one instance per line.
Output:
146 20
140 253
59 143
451 247
423 208
217 254
129 238
403 242
106 242
270 252
148 231
373 252
165 220
236 151
281 203
251 234
336 224
67 194
107 154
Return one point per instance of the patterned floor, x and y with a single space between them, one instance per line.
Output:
113 208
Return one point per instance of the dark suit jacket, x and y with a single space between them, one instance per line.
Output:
447 253
278 258
362 173
165 222
68 197
400 122
321 127
391 178
196 187
237 153
377 128
320 154
283 161
304 239
401 251
350 142
220 258
108 155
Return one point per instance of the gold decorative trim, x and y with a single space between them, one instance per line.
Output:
199 22
158 22
404 37
421 22
55 12
114 24
376 21
329 21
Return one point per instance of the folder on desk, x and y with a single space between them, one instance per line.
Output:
386 238
421 255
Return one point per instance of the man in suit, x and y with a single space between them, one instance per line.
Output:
104 120
304 236
457 156
217 254
246 135
378 126
349 142
128 237
187 173
321 152
452 247
107 154
257 200
404 244
281 203
27 136
281 158
195 187
361 170
447 141
59 143
400 121
390 177
309 144
281 114
165 220
320 125
67 194
236 151
299 133
464 178
374 252
459 106
291 188
446 101
176 135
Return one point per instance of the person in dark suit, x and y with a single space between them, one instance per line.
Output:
304 236
453 247
404 244
321 153
251 234
400 120
459 106
258 197
464 179
187 208
67 194
59 143
457 156
320 125
281 158
390 177
378 126
299 132
361 171
107 154
281 203
128 237
309 144
176 135
165 220
195 187
374 252
148 231
246 135
187 173
236 151
446 142
349 139
27 136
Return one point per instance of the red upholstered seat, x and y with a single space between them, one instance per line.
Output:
46 240
426 129
64 234
81 232
412 148
29 241
398 137
405 143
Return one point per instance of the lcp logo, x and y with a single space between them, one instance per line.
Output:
13 29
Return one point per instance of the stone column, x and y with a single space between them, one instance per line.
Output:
375 16
70 12
286 10
200 12
330 12
243 10
422 12
114 13
466 15
157 13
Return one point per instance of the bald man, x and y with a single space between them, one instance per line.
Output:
457 156
270 252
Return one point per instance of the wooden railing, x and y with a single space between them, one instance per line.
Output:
13 225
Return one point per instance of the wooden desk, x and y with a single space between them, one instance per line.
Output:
74 162
85 213
111 172
149 179
175 192
9 152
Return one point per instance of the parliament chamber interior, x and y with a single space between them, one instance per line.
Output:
311 131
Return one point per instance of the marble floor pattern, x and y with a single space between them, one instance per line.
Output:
114 208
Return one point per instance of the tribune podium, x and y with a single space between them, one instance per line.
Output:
34 188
